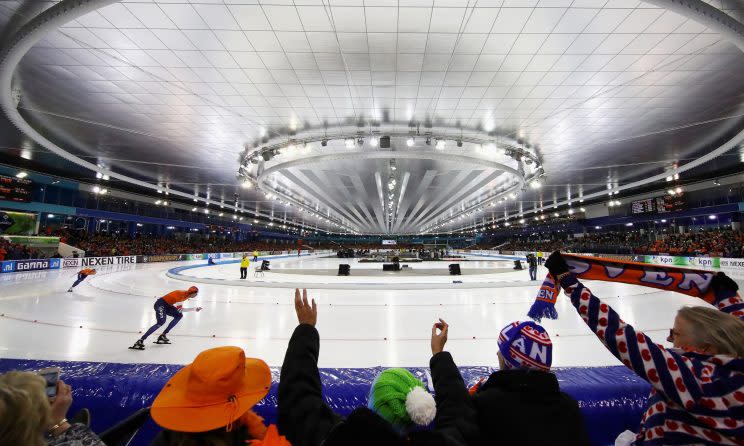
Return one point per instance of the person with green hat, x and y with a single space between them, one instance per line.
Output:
306 419
401 399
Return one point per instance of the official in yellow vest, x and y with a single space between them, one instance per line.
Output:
244 264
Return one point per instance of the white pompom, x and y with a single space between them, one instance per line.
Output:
420 406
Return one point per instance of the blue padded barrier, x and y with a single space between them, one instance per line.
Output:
612 399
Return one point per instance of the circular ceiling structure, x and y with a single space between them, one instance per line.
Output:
474 104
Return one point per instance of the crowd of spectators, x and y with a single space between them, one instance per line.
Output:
16 251
715 242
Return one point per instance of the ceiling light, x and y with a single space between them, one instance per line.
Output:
99 175
676 176
410 141
598 227
670 191
106 177
349 143
669 178
535 184
570 212
96 189
50 215
555 214
104 191
160 191
158 202
712 217
254 221
235 217
206 211
618 203
374 141
582 209
663 220
139 225
628 224
21 174
507 224
521 221
678 190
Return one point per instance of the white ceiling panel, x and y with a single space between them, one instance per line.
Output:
570 77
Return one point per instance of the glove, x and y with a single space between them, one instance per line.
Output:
198 309
722 282
556 264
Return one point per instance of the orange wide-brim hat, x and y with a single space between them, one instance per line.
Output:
213 391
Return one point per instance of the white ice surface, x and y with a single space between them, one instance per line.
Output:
358 328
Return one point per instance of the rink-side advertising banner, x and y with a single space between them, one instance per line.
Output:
12 266
98 261
161 258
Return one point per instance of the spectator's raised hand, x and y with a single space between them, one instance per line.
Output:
439 339
61 403
306 314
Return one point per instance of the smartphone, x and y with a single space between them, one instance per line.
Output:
51 376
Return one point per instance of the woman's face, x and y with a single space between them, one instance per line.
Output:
681 337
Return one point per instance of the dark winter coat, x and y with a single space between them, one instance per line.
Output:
306 420
523 406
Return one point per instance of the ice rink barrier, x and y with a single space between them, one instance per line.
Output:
612 399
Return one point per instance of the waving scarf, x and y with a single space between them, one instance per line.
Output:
681 280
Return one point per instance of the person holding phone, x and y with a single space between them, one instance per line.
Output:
82 275
168 305
31 417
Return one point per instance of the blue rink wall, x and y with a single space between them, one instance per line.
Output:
612 399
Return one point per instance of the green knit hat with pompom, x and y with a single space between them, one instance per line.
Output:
401 399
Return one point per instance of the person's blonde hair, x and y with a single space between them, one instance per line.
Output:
24 409
712 328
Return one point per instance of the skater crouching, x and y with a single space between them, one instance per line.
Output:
168 305
82 275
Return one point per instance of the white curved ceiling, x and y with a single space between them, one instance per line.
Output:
169 91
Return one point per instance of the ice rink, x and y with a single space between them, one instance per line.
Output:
366 319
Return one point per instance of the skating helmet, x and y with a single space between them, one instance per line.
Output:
193 290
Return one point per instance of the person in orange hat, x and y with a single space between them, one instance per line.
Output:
82 275
168 305
209 402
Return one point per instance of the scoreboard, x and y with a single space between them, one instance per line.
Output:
15 189
643 206
661 205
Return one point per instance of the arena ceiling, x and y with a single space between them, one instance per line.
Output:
173 93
